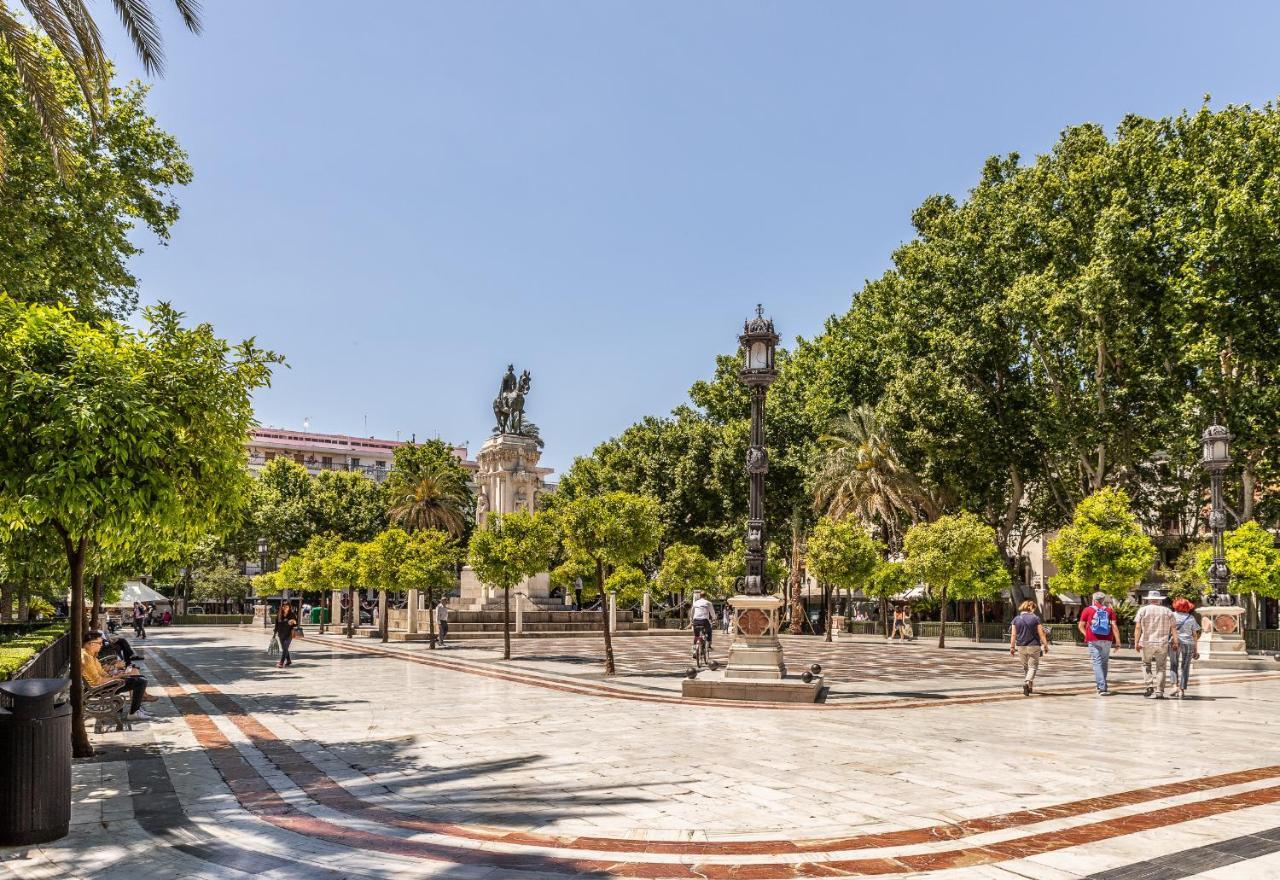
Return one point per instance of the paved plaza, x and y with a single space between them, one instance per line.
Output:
365 760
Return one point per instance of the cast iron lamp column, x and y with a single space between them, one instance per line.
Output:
758 343
1216 441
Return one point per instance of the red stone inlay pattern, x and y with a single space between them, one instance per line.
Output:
753 622
255 794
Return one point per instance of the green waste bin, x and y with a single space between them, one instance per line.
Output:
320 614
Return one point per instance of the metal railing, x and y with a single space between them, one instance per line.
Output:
212 619
50 662
314 465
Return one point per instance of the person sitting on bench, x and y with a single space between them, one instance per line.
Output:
95 675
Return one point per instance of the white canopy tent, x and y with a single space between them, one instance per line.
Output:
137 591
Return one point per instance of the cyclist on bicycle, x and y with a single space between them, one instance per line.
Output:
702 613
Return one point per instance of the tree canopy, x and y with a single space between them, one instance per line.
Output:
1104 548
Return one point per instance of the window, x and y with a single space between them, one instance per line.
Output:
355 462
326 462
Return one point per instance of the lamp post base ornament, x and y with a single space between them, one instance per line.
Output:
755 671
1221 643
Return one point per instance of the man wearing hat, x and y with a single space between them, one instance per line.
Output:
1153 637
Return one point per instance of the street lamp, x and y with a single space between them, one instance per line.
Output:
1216 442
758 343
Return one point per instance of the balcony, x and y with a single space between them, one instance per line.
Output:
315 465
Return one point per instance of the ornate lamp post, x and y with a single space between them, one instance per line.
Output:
755 670
1216 442
1221 643
758 343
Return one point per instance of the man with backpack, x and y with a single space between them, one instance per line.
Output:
1098 625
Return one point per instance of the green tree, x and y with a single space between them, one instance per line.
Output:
430 562
947 554
68 238
841 554
889 579
341 570
507 550
1253 560
347 504
628 583
223 583
281 506
116 435
1187 579
860 474
429 489
576 572
270 583
614 529
686 568
1104 547
381 561
64 53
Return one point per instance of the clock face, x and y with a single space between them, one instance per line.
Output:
1225 624
753 622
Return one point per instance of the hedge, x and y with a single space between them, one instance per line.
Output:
17 652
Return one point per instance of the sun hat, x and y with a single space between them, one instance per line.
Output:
1155 596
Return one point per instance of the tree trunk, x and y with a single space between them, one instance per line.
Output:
608 636
382 606
827 593
506 623
796 585
977 632
24 601
1248 482
95 621
942 614
6 601
76 552
353 612
431 618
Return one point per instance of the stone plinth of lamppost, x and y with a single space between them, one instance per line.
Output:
756 670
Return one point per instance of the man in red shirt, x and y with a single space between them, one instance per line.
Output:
1098 625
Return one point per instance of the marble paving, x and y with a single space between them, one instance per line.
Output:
364 760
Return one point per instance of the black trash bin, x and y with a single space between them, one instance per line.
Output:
35 778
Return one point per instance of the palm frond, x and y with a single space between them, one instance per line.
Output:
90 40
190 12
141 26
50 17
39 86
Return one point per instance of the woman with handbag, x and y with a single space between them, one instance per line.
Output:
286 627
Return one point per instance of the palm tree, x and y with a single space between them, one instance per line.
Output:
860 474
74 34
436 499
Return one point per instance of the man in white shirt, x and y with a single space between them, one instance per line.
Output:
702 613
442 620
1153 636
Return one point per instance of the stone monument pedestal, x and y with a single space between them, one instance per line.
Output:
755 671
1221 643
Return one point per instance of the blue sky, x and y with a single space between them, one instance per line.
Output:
404 197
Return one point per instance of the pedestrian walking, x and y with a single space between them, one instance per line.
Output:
1152 638
727 622
442 619
286 625
139 620
1028 642
1098 625
908 633
1185 630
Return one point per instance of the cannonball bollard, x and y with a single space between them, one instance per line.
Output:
691 673
35 740
816 668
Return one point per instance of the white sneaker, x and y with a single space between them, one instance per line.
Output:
140 715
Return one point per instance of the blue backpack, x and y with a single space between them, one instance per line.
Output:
1101 623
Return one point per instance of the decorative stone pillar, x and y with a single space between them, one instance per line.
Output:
1220 635
755 652
335 616
519 613
613 612
411 612
645 609
382 614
